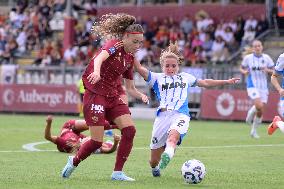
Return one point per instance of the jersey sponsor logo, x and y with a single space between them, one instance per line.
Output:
167 86
256 68
97 108
112 50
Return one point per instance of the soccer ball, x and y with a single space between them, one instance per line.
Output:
193 171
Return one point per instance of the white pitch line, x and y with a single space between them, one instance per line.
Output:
31 146
24 151
220 147
146 148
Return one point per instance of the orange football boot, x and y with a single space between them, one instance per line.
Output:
272 127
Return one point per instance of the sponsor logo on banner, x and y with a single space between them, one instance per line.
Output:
225 104
234 105
39 98
8 97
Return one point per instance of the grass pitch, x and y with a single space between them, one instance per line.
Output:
232 159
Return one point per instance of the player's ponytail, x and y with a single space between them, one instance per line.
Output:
172 51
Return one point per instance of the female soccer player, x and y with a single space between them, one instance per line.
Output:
101 98
256 66
278 73
70 138
172 90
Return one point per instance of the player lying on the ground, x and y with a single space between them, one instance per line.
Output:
70 137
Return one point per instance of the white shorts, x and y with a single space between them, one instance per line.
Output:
254 93
281 108
164 123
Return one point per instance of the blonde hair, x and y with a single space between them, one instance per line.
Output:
172 51
115 25
247 50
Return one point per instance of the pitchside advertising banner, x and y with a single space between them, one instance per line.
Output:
215 104
39 98
233 105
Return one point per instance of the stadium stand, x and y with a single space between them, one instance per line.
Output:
31 37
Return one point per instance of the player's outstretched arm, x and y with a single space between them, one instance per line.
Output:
106 150
214 83
144 72
131 89
47 131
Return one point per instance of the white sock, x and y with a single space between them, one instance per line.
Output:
156 168
252 110
256 122
251 113
280 125
170 151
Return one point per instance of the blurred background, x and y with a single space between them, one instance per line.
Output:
45 46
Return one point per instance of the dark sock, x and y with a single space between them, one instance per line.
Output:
125 146
85 150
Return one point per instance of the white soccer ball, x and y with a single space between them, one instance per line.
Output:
193 171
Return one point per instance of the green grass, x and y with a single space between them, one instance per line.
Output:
232 158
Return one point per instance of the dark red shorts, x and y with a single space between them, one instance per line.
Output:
68 125
99 108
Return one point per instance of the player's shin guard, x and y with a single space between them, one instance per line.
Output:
125 146
85 150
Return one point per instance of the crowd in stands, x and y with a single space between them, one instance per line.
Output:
31 27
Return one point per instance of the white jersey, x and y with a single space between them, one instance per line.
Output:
257 78
172 91
279 68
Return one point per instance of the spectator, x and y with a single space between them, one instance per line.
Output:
262 25
186 25
219 52
251 22
249 36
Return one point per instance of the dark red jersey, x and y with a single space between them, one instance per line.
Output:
118 63
67 134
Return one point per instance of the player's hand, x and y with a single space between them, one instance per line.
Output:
233 80
281 92
145 99
265 70
49 119
116 137
94 77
